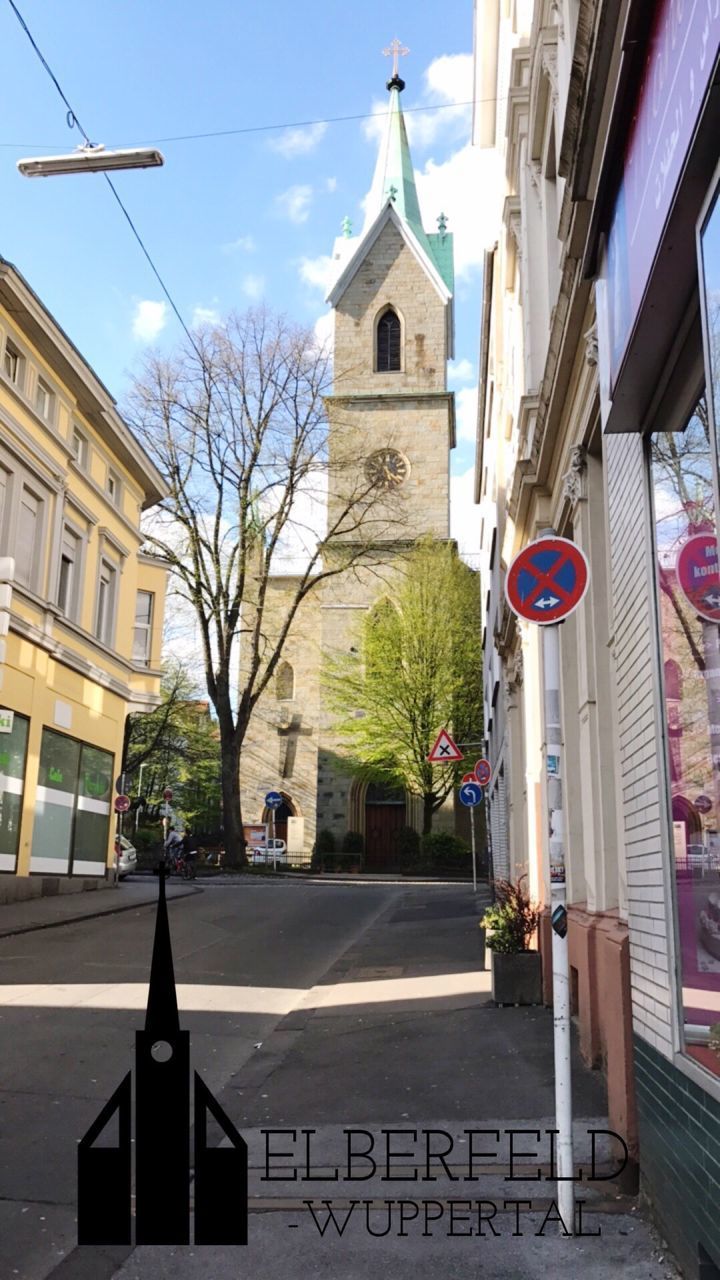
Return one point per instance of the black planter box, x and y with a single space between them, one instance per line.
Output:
483 952
517 979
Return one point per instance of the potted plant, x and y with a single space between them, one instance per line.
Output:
510 924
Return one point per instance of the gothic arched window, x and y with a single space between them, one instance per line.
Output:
387 353
285 682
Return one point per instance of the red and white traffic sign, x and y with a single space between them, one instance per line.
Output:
698 575
167 795
483 772
468 777
444 750
122 804
547 580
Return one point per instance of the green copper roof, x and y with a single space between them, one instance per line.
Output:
394 180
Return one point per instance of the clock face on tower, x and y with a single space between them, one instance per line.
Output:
387 469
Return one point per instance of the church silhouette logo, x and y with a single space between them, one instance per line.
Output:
162 1138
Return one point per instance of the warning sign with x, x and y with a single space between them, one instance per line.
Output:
547 580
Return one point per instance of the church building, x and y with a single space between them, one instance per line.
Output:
392 304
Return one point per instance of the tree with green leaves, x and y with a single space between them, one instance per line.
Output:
418 670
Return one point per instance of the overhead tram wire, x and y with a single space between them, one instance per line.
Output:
73 122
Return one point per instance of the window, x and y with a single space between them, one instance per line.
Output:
44 400
688 594
285 682
12 364
79 446
388 342
13 753
142 635
105 616
69 575
72 815
4 504
27 542
112 487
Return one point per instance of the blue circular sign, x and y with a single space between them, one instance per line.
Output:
470 794
273 800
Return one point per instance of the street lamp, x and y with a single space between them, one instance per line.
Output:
91 159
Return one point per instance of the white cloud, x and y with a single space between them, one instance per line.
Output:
149 320
468 188
204 315
324 328
448 85
318 272
295 202
465 515
466 408
243 244
331 184
460 371
298 142
253 286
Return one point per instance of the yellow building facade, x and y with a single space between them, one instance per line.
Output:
83 643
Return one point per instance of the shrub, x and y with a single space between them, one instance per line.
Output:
325 842
146 837
443 849
512 919
340 861
353 842
407 845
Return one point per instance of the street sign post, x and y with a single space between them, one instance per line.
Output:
273 800
470 794
483 771
444 750
545 583
698 575
547 580
167 795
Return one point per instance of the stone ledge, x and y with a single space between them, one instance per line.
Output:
23 888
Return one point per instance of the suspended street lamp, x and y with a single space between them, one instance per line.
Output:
91 159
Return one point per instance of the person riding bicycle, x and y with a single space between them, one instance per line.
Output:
189 848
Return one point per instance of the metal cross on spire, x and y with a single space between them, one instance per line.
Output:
395 50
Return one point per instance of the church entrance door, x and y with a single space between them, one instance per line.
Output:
384 816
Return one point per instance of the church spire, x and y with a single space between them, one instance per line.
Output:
394 176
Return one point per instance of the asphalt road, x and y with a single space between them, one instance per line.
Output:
310 1005
254 949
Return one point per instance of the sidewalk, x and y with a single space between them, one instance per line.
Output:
59 909
399 1041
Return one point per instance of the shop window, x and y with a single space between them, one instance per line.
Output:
142 634
72 815
689 614
13 754
388 342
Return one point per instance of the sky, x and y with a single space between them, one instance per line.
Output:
244 218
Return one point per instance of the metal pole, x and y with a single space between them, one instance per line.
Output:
472 840
272 828
137 811
560 963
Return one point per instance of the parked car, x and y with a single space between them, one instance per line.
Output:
126 856
274 851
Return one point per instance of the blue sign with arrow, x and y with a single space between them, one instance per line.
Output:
470 794
273 800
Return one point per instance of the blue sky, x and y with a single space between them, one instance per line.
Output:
232 220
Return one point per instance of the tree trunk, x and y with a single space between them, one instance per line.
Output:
428 802
233 837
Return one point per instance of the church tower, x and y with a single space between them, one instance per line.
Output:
393 335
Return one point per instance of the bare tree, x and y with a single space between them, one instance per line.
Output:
236 421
